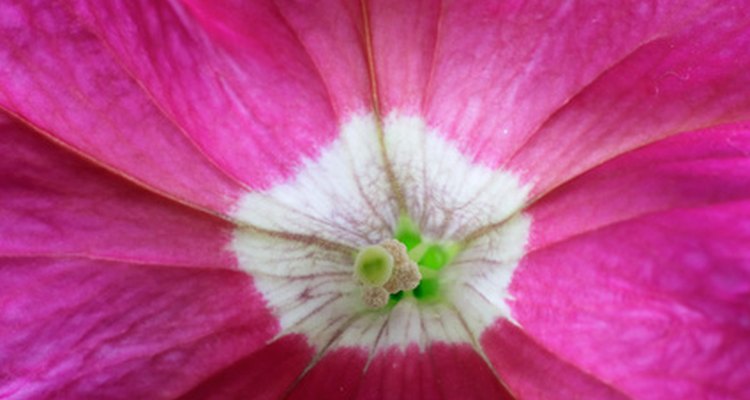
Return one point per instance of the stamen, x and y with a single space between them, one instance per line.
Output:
406 275
374 296
385 269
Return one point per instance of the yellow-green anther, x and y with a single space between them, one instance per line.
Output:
373 265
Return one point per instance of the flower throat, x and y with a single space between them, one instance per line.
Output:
408 265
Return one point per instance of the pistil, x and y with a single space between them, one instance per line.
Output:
407 264
373 266
385 269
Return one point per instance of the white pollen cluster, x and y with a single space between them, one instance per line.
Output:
374 296
406 274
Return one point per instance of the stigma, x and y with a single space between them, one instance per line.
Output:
383 270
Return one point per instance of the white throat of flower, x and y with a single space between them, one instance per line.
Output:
302 237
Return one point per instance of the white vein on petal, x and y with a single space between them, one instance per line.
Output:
326 198
452 196
479 279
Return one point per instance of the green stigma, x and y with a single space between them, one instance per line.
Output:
406 266
428 289
373 265
431 257
407 232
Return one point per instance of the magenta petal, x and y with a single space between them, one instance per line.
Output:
691 169
693 78
461 373
53 203
446 371
532 372
335 376
75 328
491 73
64 81
267 374
282 40
656 306
255 106
403 40
399 374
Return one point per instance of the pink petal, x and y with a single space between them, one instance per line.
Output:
532 372
692 169
267 374
460 373
447 371
253 102
403 40
450 371
55 203
487 75
65 82
694 78
336 376
400 374
655 306
76 328
322 38
444 371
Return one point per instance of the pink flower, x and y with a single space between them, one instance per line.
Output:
186 190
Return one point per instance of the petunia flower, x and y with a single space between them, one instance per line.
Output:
374 199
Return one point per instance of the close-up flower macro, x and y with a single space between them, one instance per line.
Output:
374 199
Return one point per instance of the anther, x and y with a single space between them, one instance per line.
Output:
374 296
406 275
385 269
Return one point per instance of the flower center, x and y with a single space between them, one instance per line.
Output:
339 260
407 266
